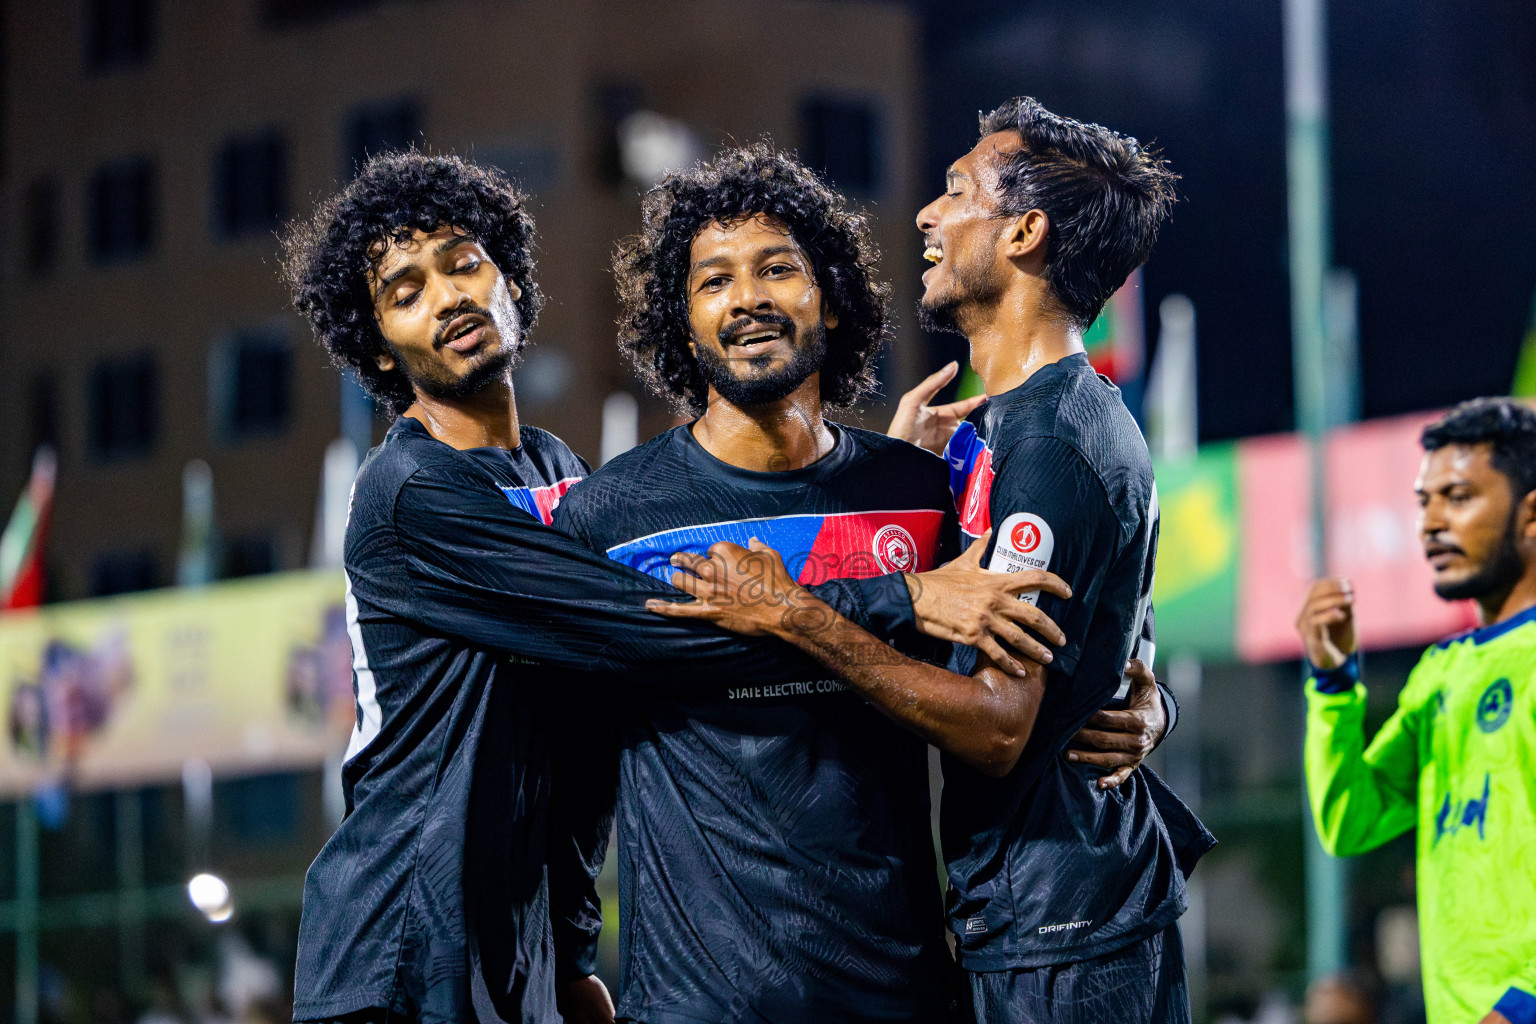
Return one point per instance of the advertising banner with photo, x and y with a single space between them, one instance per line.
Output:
247 676
1233 558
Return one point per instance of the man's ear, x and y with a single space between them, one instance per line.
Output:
1026 235
828 317
1526 516
513 287
385 360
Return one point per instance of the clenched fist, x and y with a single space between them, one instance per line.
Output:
1327 623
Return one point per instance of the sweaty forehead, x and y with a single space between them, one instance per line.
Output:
740 237
1001 143
1456 463
388 250
984 157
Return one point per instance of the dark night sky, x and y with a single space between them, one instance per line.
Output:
1434 173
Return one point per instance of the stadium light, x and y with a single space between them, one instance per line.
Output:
652 145
210 895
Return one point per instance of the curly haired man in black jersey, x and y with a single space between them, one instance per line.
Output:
475 627
775 859
453 889
1065 891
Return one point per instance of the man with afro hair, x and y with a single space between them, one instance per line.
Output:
776 862
1066 882
455 889
468 617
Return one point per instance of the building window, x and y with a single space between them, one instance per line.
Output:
249 556
123 572
40 225
375 128
251 383
118 32
124 407
613 103
122 210
842 141
250 185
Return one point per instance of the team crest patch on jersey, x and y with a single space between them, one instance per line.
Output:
895 549
1022 541
1494 706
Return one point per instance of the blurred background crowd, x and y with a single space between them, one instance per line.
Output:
1354 249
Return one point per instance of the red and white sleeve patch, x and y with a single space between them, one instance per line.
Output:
1022 541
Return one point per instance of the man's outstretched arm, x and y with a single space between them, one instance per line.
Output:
984 719
478 568
460 559
965 604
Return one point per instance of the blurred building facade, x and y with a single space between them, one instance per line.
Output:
153 149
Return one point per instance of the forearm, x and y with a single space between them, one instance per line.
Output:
880 604
1359 797
984 719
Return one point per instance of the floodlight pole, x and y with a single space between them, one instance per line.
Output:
1314 354
27 959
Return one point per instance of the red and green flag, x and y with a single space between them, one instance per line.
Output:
1115 342
21 545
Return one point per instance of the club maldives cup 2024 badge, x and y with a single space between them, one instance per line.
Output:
1024 541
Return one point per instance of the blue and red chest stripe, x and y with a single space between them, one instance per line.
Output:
970 479
540 502
817 548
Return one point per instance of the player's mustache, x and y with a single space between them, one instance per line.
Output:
440 337
731 331
1437 545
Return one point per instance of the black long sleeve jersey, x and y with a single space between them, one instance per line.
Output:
473 626
775 854
1044 867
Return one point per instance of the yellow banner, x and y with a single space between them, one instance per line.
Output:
248 676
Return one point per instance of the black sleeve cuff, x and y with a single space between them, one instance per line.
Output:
881 604
1336 680
1171 707
575 958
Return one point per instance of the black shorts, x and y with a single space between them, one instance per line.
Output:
1143 984
360 1017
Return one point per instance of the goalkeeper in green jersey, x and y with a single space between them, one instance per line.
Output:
1457 758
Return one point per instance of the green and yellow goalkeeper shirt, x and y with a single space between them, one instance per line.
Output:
1458 759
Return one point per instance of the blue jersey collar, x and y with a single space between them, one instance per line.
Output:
1486 633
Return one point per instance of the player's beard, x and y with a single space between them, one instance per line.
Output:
1500 572
973 286
761 384
435 381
